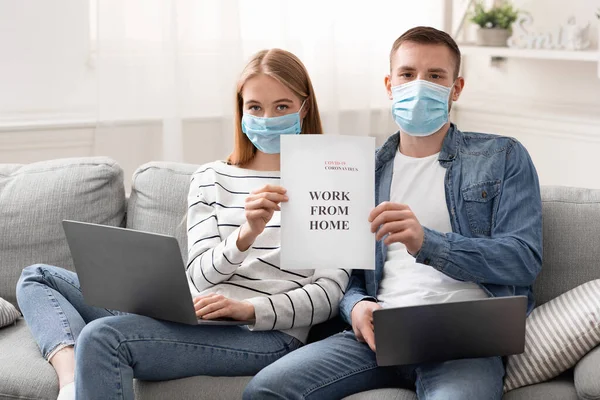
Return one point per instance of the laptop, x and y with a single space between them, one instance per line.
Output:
133 271
449 331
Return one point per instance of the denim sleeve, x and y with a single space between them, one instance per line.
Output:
512 255
354 293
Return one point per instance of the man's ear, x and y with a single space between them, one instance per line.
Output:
388 86
459 85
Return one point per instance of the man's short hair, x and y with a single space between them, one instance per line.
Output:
429 35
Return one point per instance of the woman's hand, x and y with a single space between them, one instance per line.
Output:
214 306
260 206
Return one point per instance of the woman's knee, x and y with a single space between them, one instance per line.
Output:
36 272
100 333
45 274
32 273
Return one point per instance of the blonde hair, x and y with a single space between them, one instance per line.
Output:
290 72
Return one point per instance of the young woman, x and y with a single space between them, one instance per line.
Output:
233 266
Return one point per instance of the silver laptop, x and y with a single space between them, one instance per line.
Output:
449 331
133 271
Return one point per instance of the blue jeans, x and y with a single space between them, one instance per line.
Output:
112 348
340 366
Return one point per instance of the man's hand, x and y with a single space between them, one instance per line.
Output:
214 306
400 223
362 321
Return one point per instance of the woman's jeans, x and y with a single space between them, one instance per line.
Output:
112 348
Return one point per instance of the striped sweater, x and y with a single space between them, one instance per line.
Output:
290 301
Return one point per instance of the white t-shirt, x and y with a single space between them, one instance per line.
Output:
419 183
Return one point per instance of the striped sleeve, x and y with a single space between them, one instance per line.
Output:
211 258
311 304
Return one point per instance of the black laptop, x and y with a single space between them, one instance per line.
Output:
448 331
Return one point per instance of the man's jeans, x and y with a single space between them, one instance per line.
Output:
340 366
111 348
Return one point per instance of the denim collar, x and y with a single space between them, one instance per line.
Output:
448 153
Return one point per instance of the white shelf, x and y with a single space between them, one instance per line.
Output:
507 52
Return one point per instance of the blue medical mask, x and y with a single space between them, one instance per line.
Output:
420 107
265 133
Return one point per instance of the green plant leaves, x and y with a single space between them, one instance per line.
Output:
501 16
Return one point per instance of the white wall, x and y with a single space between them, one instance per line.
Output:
51 107
44 52
46 80
552 107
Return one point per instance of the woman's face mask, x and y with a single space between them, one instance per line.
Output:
265 132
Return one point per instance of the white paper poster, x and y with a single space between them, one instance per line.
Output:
330 182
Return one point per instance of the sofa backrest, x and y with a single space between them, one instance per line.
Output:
158 200
571 225
571 220
35 198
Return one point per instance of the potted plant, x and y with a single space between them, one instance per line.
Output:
494 24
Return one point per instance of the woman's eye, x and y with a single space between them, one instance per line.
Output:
282 107
254 108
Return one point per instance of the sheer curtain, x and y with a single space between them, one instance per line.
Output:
174 63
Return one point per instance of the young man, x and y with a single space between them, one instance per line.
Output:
459 217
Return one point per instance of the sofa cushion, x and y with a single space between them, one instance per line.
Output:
587 375
35 198
24 373
560 388
158 201
194 388
225 388
384 394
8 313
571 228
558 334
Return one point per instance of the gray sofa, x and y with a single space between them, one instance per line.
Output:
35 198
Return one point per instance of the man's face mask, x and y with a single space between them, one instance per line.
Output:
420 108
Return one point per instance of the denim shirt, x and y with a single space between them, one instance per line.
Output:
494 203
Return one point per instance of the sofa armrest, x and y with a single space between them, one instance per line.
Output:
587 376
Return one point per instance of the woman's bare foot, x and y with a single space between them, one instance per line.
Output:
64 364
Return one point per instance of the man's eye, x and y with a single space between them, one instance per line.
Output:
435 76
406 75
